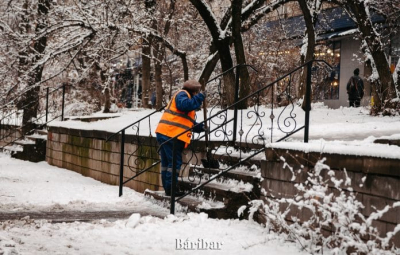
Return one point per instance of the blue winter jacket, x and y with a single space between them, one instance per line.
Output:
186 104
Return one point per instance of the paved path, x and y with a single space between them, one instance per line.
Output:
71 216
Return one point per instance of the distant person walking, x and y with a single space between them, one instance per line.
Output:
355 89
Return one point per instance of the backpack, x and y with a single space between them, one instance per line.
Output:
354 87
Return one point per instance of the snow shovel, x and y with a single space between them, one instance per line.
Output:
209 162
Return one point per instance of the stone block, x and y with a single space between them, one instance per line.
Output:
153 178
56 146
105 156
130 148
288 190
96 144
96 165
372 204
57 162
68 148
295 159
67 157
272 155
115 158
114 169
105 167
58 155
132 184
384 186
85 171
64 138
53 137
95 174
271 169
82 151
106 178
114 180
395 240
390 167
338 161
272 187
132 161
76 168
302 174
360 182
95 154
115 147
141 187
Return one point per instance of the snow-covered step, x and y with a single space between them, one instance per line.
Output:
195 204
217 190
237 174
41 132
24 142
229 160
13 148
36 136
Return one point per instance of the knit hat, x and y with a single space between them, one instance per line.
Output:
192 86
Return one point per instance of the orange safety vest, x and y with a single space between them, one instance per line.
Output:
173 121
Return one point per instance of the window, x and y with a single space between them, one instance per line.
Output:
394 51
327 87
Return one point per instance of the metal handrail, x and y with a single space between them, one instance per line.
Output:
308 108
48 92
134 123
40 97
233 105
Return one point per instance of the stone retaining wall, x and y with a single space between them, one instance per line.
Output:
88 153
8 134
381 185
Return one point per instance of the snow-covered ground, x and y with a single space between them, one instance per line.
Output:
26 186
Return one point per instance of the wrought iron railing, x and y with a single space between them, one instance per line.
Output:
138 166
236 131
232 135
12 127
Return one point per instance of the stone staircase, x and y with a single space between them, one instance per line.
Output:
31 148
222 197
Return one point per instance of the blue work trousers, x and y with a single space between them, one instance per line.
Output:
166 151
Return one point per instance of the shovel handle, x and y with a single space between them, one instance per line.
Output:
203 86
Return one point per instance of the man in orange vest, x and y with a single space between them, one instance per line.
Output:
178 116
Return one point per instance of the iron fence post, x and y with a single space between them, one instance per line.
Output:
121 164
63 103
173 188
308 103
47 103
235 112
272 117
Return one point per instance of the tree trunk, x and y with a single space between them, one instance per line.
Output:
244 86
107 104
310 33
30 101
226 64
157 74
146 56
382 91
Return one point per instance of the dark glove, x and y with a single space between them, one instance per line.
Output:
204 93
